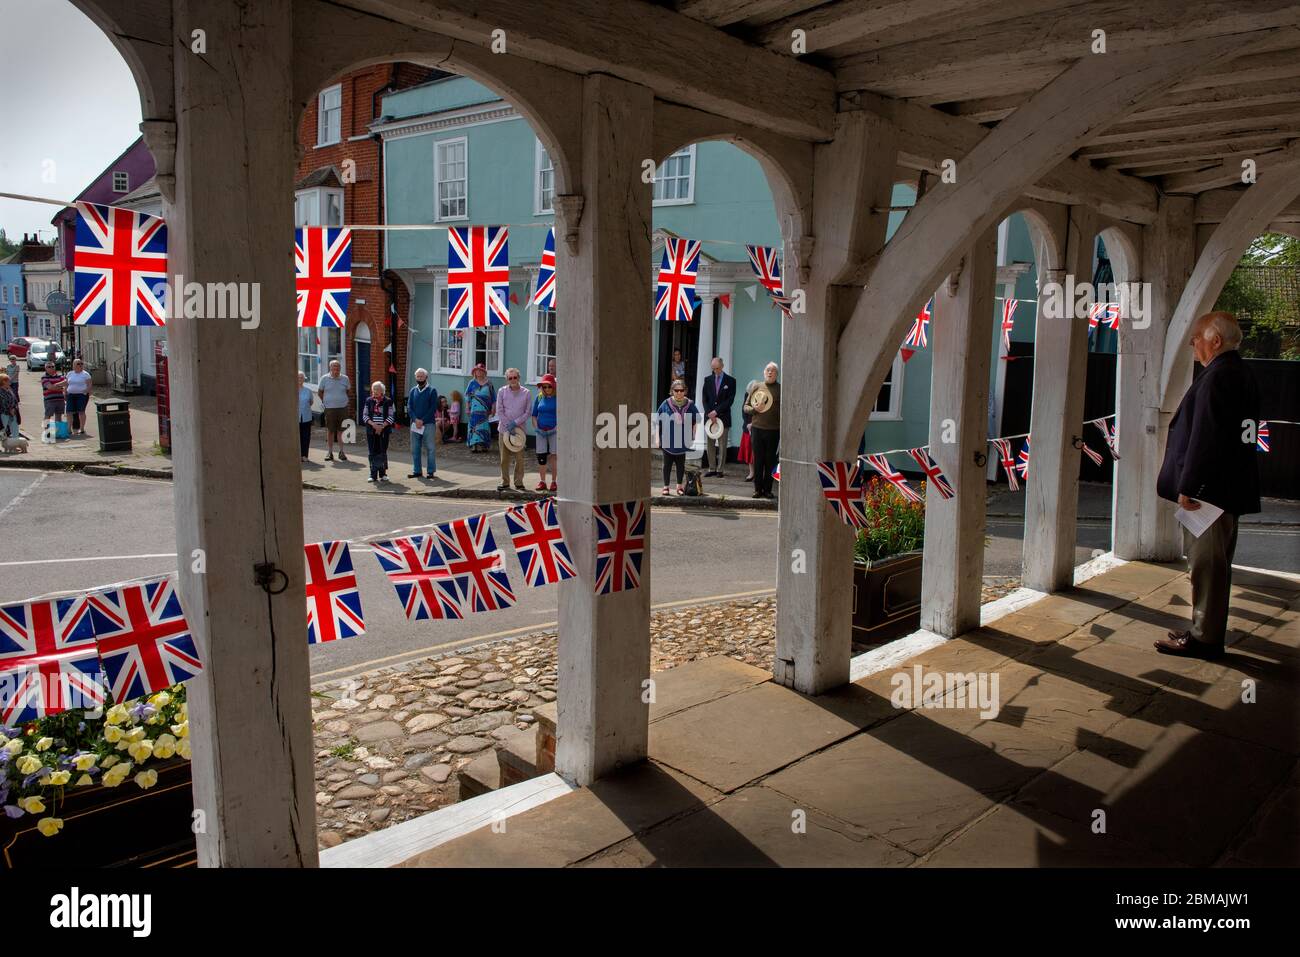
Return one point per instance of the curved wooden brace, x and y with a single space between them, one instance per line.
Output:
1124 243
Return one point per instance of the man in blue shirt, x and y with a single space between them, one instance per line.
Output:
422 406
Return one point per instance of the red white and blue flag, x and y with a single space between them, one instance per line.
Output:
545 294
1261 437
1107 312
478 277
144 640
475 562
842 487
620 546
539 543
48 660
891 475
1008 463
1022 460
675 293
1111 434
322 260
1092 454
333 601
119 267
932 471
766 266
1008 321
424 586
916 336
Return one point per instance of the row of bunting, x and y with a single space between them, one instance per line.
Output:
132 639
918 335
120 273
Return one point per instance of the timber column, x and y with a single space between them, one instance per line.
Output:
953 561
238 487
852 177
604 349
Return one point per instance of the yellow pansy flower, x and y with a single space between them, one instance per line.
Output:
84 762
13 747
147 779
161 699
60 778
113 734
109 761
183 748
84 781
181 730
28 764
164 746
116 715
140 750
135 734
32 805
117 774
49 826
44 744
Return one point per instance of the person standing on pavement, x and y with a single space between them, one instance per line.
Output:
480 400
305 396
53 387
78 393
676 421
765 430
717 395
422 407
333 390
514 404
8 408
378 415
11 370
545 421
1210 458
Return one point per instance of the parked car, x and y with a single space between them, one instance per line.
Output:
18 346
41 353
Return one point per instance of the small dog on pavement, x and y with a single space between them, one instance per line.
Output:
15 445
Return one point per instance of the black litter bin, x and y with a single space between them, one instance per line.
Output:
114 418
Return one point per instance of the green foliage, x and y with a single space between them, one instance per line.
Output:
894 525
7 246
344 751
1257 291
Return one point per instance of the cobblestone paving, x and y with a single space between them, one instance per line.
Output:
389 742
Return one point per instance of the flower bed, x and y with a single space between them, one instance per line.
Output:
71 764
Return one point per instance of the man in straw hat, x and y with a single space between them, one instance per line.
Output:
514 405
764 403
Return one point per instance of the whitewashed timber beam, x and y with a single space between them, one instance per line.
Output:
1215 205
814 572
928 137
1229 172
238 483
1258 206
678 58
141 32
1038 136
847 21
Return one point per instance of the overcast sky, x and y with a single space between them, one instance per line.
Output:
68 104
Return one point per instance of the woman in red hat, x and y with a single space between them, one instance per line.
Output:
545 421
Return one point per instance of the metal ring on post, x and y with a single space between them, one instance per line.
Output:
264 574
981 459
1077 442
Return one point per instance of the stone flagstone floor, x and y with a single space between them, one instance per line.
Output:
1186 762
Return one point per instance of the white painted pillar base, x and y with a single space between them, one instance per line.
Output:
953 562
238 486
604 643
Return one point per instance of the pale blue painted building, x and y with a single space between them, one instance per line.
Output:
456 153
11 299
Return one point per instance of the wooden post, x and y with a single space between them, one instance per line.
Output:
1142 524
238 487
1060 373
604 645
814 573
961 343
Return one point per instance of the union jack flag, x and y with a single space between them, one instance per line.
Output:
539 543
333 601
916 337
784 303
322 260
931 469
766 267
476 563
675 294
1088 450
48 660
1261 437
1008 463
895 478
1107 311
424 586
1111 434
842 487
544 296
119 266
620 546
1022 460
776 472
144 640
478 277
1008 322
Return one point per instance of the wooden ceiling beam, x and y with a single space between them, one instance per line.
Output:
1214 205
1230 171
1258 119
1181 149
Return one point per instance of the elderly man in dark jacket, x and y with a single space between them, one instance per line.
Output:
1211 458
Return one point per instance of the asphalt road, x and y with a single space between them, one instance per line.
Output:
61 531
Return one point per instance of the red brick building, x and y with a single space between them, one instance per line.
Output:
339 180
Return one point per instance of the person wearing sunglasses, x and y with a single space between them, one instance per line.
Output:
545 420
676 422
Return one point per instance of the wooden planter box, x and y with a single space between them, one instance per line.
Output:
110 827
886 599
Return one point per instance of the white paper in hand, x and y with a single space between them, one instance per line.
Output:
1198 520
